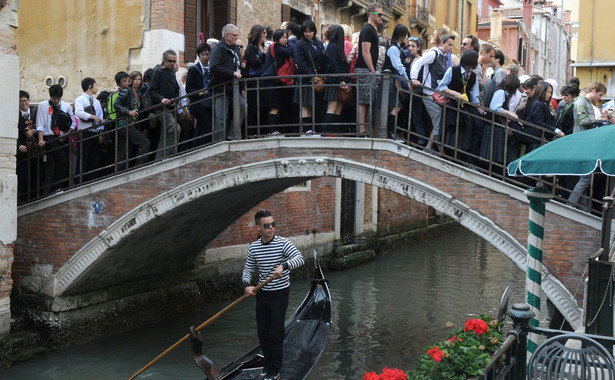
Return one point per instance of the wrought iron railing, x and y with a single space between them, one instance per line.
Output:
501 141
510 362
419 15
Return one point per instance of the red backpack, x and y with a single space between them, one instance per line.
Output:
288 68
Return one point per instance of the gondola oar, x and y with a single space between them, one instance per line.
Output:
202 326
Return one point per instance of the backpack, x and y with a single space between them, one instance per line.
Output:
437 68
60 120
287 68
111 105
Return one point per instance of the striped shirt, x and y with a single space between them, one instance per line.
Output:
267 257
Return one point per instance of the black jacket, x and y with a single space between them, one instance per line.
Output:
125 102
223 63
306 52
194 82
163 84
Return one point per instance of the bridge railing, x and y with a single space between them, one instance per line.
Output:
477 138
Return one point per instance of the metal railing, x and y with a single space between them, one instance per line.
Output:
509 362
238 110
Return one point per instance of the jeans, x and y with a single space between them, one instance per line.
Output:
223 125
168 132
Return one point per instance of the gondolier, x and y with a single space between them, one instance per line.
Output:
271 255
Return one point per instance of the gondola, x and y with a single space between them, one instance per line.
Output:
306 335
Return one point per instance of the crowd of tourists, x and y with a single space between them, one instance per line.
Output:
340 84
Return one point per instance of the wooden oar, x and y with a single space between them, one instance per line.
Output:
202 326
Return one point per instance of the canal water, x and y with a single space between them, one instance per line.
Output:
385 312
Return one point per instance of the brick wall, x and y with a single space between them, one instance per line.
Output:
396 214
167 14
296 213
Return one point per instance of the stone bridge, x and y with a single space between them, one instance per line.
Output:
73 247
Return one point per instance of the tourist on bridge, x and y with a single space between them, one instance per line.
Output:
128 105
279 94
586 116
367 57
460 82
394 62
434 63
201 105
495 150
27 149
54 120
255 55
275 256
337 64
163 89
224 66
309 54
90 114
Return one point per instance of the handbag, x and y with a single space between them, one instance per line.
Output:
317 82
440 99
345 98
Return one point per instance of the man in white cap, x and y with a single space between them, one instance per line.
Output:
212 41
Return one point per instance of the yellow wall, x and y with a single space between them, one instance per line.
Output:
595 43
75 39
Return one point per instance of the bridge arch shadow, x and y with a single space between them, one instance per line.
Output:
164 226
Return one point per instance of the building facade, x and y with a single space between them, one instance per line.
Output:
595 60
535 35
459 17
9 98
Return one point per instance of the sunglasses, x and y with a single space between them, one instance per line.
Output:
267 225
171 60
465 44
377 14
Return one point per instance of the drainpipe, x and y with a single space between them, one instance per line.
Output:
528 7
496 28
339 10
355 16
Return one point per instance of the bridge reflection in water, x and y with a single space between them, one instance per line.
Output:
385 312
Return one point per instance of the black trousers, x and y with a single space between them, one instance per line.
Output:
60 158
270 313
89 159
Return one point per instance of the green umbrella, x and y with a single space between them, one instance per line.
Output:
577 154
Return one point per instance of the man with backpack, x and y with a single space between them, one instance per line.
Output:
54 120
434 62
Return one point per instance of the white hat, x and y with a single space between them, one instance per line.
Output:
523 78
212 41
554 85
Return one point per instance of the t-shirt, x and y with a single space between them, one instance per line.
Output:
368 34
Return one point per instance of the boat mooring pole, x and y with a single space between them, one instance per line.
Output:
538 197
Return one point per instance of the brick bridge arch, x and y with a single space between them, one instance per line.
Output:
150 210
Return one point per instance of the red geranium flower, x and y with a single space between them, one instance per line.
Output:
436 353
387 374
477 325
393 374
372 376
455 339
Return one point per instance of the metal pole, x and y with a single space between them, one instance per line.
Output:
521 315
538 197
607 217
384 105
236 111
